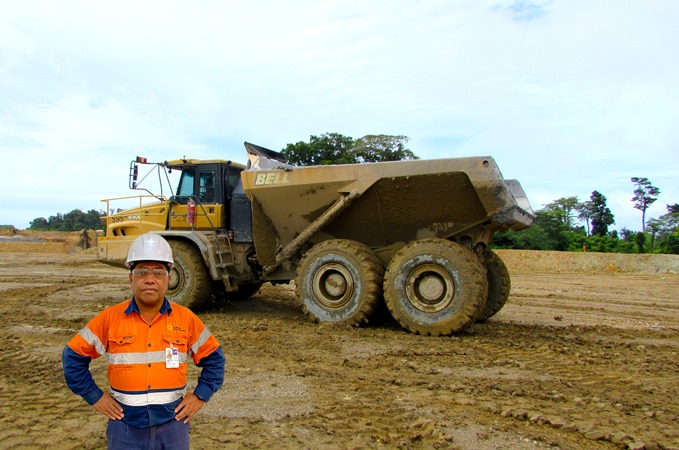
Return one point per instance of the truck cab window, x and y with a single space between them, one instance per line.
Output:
206 187
185 184
185 189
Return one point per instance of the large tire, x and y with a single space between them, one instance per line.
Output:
190 283
339 281
499 285
435 287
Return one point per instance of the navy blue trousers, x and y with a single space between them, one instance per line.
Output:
173 435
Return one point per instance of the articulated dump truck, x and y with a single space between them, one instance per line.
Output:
411 235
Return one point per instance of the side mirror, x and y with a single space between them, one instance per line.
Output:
134 173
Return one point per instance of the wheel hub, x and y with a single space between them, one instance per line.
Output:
333 285
430 288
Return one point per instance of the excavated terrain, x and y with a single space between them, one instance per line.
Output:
583 356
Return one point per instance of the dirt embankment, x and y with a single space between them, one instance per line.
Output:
519 261
583 356
23 241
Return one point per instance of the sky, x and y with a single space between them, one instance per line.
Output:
568 96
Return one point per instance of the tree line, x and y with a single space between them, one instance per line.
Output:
335 148
566 224
556 226
75 220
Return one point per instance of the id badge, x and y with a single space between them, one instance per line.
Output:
172 357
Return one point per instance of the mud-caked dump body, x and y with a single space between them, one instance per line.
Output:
464 199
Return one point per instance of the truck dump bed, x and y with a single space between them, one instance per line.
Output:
394 202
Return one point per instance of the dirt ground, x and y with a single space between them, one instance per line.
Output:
583 356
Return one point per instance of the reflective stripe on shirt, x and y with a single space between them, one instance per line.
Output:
141 358
93 340
204 336
148 398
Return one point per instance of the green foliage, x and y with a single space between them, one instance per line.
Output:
600 215
670 245
644 196
40 224
577 240
665 231
75 220
334 148
551 232
626 234
376 148
640 240
584 211
564 208
626 247
602 244
547 233
626 241
328 148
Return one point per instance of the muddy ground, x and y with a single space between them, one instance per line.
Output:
584 356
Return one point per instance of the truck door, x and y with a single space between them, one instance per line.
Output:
202 185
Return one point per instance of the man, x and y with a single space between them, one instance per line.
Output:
147 341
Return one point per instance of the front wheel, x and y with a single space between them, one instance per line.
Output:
190 283
339 281
435 287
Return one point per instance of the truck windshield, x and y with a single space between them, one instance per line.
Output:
185 184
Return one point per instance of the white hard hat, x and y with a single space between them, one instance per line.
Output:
149 247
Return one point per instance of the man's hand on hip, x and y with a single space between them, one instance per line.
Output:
109 407
188 407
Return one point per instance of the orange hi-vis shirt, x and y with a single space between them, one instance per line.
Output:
141 371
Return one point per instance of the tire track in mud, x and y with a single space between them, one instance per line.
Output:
413 398
69 304
531 379
634 300
33 396
598 388
353 384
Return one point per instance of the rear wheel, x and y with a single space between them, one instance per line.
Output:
339 281
499 285
435 287
190 283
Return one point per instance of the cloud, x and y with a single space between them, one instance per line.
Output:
523 10
568 96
